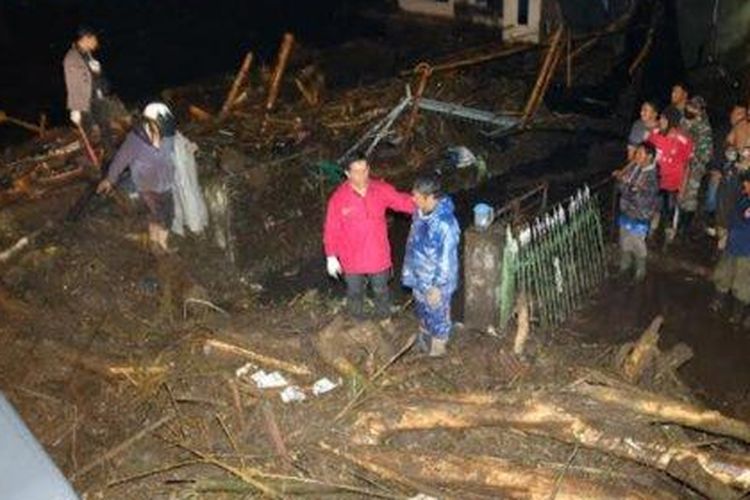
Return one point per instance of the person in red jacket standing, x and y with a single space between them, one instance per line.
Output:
674 149
355 237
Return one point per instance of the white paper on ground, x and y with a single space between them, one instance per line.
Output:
324 385
268 380
244 370
292 393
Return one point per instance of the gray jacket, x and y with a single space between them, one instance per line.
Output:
78 81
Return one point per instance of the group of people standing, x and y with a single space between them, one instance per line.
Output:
355 238
671 162
158 158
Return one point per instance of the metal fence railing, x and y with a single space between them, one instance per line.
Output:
555 261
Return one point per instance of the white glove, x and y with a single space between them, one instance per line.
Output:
75 117
95 66
334 267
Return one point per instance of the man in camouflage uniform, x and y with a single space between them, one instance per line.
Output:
696 124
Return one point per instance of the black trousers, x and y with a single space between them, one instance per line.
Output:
356 287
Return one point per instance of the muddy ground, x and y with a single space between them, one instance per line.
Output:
101 340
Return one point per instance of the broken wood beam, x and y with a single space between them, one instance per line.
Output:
504 478
282 59
239 79
294 368
644 352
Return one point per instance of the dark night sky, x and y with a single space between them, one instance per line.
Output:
148 45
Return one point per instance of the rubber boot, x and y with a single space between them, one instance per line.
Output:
718 302
437 347
423 342
737 312
640 269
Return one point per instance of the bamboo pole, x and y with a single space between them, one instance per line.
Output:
239 79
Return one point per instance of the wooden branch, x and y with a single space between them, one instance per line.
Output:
123 446
239 79
278 73
274 433
297 369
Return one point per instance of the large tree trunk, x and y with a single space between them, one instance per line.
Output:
503 478
569 418
661 409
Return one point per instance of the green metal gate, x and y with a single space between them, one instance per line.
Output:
557 261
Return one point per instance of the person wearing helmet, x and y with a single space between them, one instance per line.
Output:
147 151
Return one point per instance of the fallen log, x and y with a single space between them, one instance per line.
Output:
503 478
295 368
384 472
662 409
575 420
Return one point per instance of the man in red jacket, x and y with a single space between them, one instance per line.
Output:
674 149
355 236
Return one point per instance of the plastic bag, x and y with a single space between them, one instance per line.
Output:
189 206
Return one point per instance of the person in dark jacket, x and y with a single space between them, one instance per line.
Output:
431 262
147 151
638 184
732 274
87 87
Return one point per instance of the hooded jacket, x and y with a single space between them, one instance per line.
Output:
356 230
431 258
152 168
